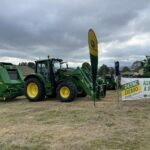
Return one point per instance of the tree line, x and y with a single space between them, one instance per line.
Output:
102 70
29 64
136 66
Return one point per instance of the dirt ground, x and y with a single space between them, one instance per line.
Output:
75 126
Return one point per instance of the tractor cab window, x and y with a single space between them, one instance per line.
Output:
56 66
13 74
64 65
42 68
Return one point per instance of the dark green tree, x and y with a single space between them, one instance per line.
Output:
125 69
86 65
31 65
137 65
23 64
112 71
103 70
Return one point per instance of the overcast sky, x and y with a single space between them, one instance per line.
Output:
33 29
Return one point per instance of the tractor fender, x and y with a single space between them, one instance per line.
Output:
66 80
60 81
37 76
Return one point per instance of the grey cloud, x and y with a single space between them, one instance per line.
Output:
33 28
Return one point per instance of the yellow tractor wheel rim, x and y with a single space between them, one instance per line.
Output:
32 90
65 92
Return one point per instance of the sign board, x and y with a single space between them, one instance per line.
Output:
135 88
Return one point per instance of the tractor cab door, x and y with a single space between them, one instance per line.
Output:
42 68
55 67
45 69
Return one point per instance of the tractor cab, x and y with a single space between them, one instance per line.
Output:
48 67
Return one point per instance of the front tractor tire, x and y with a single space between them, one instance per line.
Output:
66 91
34 90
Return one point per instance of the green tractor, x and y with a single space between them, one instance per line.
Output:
110 82
11 81
52 78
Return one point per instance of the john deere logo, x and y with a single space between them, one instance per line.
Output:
92 44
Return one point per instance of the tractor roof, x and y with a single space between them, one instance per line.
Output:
4 63
51 59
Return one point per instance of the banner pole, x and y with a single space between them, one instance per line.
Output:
117 73
117 90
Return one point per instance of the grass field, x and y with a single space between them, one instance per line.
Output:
75 126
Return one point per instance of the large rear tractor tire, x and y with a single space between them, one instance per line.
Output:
66 91
34 90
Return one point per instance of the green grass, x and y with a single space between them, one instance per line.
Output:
77 125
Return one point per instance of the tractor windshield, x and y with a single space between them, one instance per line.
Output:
64 65
56 66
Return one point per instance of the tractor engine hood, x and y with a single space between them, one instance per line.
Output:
67 71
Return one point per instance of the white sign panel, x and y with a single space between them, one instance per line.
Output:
135 88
